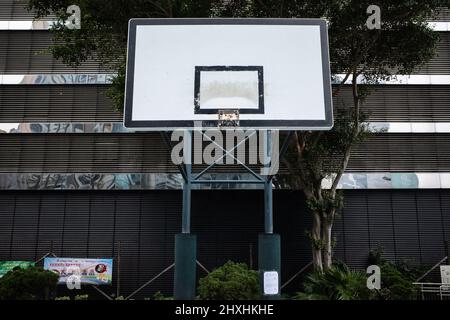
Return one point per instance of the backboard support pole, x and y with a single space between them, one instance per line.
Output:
187 185
269 244
186 243
268 190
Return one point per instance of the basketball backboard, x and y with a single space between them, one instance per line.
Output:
250 73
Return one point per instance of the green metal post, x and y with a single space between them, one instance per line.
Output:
186 243
185 266
269 248
269 259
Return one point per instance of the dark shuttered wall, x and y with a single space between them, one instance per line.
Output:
146 152
56 103
402 103
24 52
89 103
408 224
16 10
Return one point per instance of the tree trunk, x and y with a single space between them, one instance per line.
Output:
315 242
327 244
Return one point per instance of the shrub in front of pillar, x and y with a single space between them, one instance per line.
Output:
232 281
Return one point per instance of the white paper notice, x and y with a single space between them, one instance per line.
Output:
270 282
445 274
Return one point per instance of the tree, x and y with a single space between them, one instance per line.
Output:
104 30
31 283
363 56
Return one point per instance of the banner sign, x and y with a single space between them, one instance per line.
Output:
90 271
6 266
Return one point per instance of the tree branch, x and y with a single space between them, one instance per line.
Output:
355 132
339 87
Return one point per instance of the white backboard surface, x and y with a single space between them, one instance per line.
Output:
274 71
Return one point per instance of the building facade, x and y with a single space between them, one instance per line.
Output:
74 182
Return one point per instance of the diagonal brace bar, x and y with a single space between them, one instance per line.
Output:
283 150
228 152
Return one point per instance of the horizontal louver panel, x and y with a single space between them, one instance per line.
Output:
89 103
136 153
56 103
403 103
16 10
23 52
408 224
443 15
440 64
402 153
84 153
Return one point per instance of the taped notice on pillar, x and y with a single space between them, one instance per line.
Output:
270 282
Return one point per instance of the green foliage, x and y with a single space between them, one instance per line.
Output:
376 256
232 281
104 30
116 90
397 282
159 296
404 43
337 283
396 278
32 283
78 297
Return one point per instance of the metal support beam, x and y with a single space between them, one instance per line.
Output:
268 208
228 153
283 150
186 243
187 185
228 181
268 190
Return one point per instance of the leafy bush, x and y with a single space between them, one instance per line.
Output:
232 281
396 278
397 282
62 298
32 283
337 283
159 296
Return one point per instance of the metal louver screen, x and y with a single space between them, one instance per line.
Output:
402 153
16 10
146 152
408 103
102 153
22 52
89 103
443 15
408 224
440 64
56 103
